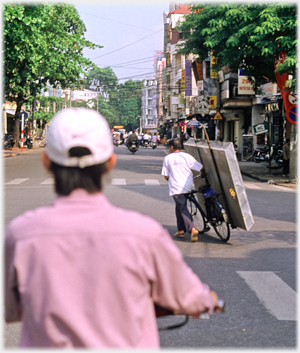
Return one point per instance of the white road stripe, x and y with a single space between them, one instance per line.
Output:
118 182
251 186
284 188
48 181
273 292
151 182
16 181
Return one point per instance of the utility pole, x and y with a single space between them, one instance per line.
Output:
293 153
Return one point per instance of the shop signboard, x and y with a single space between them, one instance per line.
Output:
260 128
188 77
225 90
244 85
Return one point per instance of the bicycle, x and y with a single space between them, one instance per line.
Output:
161 312
215 213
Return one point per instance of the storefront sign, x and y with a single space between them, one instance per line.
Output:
213 71
212 102
268 89
225 90
244 85
200 85
260 128
188 77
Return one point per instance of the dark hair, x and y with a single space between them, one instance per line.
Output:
288 140
175 143
68 179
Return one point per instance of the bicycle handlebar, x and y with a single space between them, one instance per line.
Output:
160 311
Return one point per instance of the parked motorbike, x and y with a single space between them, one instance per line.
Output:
27 142
133 148
7 142
261 154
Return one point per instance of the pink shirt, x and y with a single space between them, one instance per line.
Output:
87 273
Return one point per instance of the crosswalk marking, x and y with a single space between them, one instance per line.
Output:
16 181
151 182
282 188
48 181
118 182
273 292
251 186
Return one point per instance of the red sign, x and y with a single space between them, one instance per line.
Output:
287 96
112 130
182 123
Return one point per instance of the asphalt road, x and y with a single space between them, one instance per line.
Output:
254 272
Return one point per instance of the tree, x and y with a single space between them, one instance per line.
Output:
42 43
128 101
249 36
104 79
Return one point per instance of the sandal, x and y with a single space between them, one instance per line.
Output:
178 234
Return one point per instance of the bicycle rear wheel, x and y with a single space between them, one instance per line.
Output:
221 227
198 219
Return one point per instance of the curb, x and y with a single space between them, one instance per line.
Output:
287 185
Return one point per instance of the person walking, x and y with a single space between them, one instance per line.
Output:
286 157
177 169
75 276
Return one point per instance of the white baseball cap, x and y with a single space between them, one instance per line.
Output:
79 127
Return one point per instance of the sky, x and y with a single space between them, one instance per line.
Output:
130 33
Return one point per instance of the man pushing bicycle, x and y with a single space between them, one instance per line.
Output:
177 169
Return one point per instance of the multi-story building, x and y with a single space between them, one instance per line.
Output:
225 100
149 105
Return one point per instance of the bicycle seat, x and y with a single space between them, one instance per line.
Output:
209 193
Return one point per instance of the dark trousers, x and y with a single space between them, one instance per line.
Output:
183 216
286 166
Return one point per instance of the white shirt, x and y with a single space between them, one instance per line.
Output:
178 167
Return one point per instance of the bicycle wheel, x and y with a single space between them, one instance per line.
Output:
221 227
198 219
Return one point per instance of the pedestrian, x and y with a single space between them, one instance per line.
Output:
286 157
77 272
177 169
182 139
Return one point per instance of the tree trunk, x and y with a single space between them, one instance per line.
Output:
16 119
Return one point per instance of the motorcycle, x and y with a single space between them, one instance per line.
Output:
261 154
28 142
7 142
133 148
153 144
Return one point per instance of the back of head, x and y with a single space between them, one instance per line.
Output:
78 145
175 143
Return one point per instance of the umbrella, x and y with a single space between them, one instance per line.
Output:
194 124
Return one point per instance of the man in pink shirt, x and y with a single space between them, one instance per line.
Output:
77 274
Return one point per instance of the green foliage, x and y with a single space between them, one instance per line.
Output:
43 43
105 79
244 35
129 102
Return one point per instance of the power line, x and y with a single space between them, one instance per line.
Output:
107 19
127 45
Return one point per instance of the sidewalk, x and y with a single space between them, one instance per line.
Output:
257 171
261 172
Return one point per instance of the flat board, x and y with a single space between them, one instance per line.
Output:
231 186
